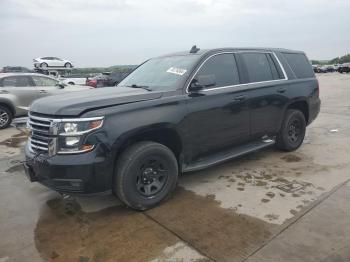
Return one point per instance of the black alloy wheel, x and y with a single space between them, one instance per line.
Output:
145 174
152 176
292 132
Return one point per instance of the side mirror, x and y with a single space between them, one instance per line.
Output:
202 81
61 85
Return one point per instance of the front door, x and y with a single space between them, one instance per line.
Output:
47 86
22 90
218 115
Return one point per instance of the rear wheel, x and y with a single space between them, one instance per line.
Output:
67 65
71 83
5 117
292 132
146 174
44 65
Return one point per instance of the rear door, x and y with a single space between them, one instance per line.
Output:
218 116
268 91
20 90
47 86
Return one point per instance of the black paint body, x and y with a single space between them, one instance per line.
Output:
195 124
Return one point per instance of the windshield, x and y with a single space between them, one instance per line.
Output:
162 73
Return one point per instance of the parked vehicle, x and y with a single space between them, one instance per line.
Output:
175 113
15 69
106 79
316 68
326 69
49 61
344 68
74 79
19 90
336 67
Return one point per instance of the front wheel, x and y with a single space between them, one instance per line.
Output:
292 132
68 65
146 174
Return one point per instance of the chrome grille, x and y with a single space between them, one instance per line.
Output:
40 136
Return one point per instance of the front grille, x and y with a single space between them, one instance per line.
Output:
40 137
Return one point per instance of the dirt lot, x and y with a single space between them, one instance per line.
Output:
268 206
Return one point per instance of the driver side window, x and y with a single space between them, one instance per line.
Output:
222 68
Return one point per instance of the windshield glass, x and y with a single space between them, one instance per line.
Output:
162 73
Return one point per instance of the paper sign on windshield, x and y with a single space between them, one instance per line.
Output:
176 71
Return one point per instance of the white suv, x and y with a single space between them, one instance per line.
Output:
19 90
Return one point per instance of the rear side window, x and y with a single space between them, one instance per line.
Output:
16 81
224 69
300 65
259 67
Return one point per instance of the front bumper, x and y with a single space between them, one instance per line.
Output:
86 173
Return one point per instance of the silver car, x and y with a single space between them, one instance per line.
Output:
19 90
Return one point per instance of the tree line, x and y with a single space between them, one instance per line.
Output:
338 60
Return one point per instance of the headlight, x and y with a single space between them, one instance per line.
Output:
71 134
70 127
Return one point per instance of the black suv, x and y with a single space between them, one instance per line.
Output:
344 68
175 113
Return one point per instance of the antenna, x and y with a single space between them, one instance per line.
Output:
194 49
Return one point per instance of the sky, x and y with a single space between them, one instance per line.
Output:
114 32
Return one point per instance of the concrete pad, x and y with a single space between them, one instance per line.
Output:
323 234
180 252
219 234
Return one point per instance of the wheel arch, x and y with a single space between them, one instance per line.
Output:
9 105
299 104
160 133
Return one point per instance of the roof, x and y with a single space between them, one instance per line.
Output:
23 74
226 49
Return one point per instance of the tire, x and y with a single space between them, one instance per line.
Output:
44 65
292 132
68 65
5 117
71 83
146 174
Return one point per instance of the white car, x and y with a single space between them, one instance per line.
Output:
49 61
74 79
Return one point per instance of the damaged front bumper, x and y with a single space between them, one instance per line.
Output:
85 173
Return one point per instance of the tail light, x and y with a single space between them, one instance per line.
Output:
91 82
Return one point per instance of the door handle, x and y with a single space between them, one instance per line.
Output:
240 98
42 91
281 90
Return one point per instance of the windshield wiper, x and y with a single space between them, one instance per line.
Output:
140 86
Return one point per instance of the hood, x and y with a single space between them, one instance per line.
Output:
75 103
